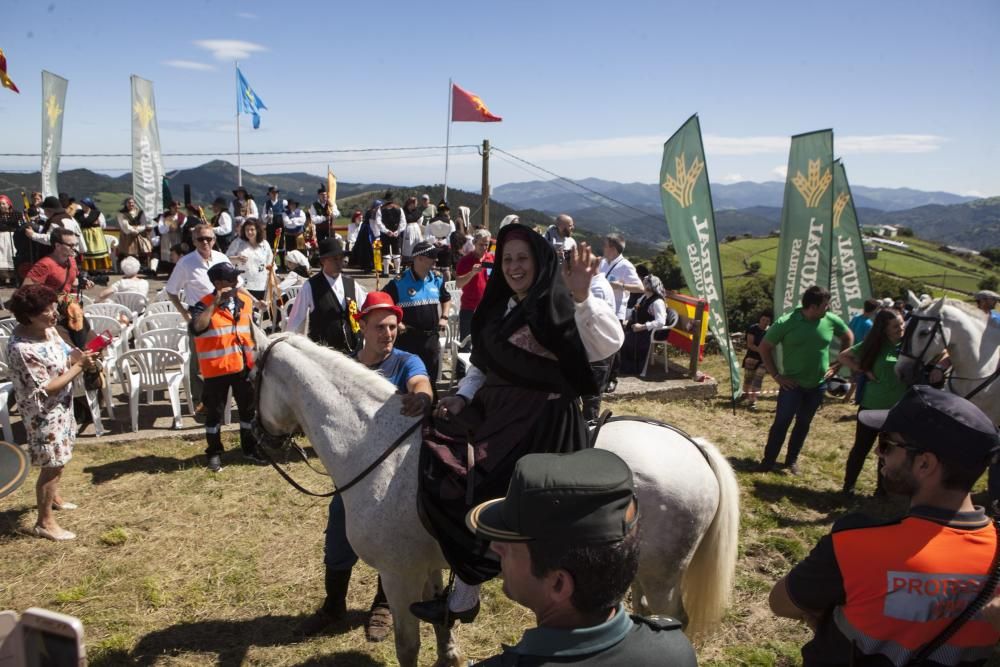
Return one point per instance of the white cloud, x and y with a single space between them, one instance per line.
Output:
974 193
247 15
229 49
781 171
189 64
718 146
732 178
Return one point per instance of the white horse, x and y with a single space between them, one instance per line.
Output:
688 495
973 346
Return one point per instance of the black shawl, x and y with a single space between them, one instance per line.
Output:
547 310
87 221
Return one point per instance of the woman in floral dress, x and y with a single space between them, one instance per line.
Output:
43 368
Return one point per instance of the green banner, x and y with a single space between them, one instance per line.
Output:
53 104
687 205
849 281
147 165
806 219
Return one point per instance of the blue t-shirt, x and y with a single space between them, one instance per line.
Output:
860 326
399 367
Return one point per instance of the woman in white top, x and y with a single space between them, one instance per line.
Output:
130 282
251 254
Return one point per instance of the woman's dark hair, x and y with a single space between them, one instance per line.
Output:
30 301
876 338
258 225
301 270
409 201
602 573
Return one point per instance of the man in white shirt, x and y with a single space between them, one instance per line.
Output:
601 289
191 275
322 310
560 235
622 277
324 212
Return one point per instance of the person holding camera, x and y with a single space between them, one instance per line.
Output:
43 368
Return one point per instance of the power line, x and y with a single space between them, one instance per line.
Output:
232 153
579 185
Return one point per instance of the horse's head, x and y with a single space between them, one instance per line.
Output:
923 342
274 417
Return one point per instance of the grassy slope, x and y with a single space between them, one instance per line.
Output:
923 261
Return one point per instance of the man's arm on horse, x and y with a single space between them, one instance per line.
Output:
418 397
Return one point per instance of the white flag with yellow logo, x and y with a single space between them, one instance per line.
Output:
53 103
147 165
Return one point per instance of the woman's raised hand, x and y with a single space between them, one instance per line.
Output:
578 269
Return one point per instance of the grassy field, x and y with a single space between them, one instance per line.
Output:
942 272
177 566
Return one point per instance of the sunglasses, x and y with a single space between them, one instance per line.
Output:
205 239
886 444
68 245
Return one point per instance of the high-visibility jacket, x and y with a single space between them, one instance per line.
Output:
226 346
907 590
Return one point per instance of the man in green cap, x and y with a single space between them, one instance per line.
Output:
567 534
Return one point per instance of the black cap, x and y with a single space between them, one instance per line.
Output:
14 468
330 247
940 422
51 202
587 497
273 189
223 271
220 201
322 190
425 249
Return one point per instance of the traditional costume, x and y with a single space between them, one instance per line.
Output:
97 257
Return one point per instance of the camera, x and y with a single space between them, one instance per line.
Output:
41 638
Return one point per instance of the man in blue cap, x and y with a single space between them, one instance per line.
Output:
567 534
882 593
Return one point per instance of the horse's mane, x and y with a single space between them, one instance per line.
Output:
329 364
966 308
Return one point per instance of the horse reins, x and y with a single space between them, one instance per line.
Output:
274 441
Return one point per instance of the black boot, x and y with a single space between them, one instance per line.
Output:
334 608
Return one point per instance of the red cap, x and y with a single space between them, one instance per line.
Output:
376 301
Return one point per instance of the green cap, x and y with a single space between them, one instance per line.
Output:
587 497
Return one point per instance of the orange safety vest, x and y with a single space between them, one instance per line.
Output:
905 582
226 346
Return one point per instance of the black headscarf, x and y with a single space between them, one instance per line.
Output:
548 310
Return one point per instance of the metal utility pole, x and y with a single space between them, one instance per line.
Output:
486 183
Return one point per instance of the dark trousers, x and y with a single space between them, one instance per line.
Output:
864 440
993 487
616 363
194 371
425 345
214 394
592 404
337 551
797 404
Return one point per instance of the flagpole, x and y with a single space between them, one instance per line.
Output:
447 142
239 167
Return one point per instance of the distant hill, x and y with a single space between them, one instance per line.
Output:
559 196
975 224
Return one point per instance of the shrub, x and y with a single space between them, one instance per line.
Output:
745 304
989 282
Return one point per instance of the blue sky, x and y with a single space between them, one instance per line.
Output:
585 88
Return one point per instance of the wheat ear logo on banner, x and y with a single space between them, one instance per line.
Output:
53 110
838 207
144 112
681 187
812 188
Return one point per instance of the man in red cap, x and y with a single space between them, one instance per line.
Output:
380 319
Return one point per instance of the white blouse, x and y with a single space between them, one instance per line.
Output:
252 261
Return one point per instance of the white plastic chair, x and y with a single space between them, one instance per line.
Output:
134 301
106 309
170 320
150 369
4 341
652 350
7 326
292 291
85 300
121 334
112 242
157 307
455 292
458 356
171 339
5 390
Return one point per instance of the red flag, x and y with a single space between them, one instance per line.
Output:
4 79
466 106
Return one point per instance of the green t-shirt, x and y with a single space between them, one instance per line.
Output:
887 389
805 345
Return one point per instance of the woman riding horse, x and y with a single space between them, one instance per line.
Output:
534 335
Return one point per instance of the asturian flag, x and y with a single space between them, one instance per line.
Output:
247 101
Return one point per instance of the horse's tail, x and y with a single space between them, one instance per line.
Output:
708 581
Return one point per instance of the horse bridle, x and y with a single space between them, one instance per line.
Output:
281 441
938 329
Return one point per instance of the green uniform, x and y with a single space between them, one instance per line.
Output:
805 345
623 640
887 389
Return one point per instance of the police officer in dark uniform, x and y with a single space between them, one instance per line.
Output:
426 303
568 540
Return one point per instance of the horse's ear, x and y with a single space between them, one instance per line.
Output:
938 305
912 299
259 339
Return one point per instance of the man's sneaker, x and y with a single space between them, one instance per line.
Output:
764 466
215 463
